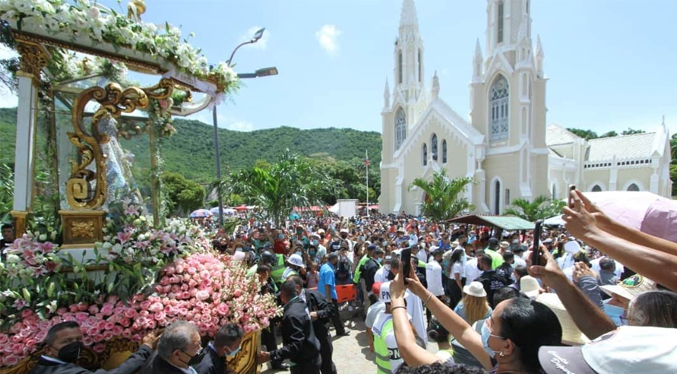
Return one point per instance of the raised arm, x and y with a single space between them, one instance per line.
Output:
589 318
644 260
625 232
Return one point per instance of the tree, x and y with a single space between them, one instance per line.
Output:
630 131
541 208
442 196
673 148
673 176
290 182
182 195
6 192
609 134
585 134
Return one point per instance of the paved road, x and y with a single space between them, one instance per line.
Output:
351 353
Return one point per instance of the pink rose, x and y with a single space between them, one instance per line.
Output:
93 309
202 295
222 309
145 304
130 313
156 307
107 309
81 316
11 360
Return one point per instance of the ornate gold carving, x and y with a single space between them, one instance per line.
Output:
81 227
33 58
135 9
19 222
114 101
245 360
83 230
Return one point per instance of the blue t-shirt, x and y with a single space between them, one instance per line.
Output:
327 278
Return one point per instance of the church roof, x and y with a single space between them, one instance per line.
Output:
622 146
556 135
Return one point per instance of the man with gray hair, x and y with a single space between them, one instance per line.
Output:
226 344
179 343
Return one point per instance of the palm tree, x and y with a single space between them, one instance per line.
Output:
277 189
541 208
443 199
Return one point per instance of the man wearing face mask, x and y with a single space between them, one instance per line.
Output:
315 245
62 347
179 346
381 275
226 344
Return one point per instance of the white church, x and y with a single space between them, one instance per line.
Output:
506 145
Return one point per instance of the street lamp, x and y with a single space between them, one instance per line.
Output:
259 73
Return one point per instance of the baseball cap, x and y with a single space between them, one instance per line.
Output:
547 241
493 241
384 292
344 231
376 288
626 350
630 287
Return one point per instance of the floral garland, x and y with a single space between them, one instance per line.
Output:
208 290
105 25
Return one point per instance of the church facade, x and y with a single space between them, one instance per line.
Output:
505 146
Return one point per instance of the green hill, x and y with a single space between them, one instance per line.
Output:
190 152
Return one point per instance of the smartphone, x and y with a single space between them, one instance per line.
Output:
536 253
572 187
406 263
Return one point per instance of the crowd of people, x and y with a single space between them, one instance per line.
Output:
599 300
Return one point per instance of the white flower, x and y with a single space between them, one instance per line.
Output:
94 13
12 259
24 6
117 248
174 31
52 306
9 15
42 237
107 246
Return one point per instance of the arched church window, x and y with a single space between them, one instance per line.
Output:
433 146
499 20
399 66
596 188
425 154
420 67
499 102
444 151
400 128
633 187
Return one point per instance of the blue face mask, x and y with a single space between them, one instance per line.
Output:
379 260
614 312
312 253
300 253
315 242
234 352
486 333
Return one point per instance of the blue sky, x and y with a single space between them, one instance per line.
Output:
609 61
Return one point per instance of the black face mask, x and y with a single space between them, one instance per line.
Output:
69 353
344 236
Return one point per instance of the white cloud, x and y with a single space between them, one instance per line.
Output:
240 126
261 44
327 36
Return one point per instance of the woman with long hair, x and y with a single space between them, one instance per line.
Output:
515 331
453 270
474 305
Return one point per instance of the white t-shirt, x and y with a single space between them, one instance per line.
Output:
464 260
381 275
433 275
456 268
471 271
374 311
422 255
415 309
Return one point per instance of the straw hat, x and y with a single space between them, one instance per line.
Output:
504 244
529 285
475 289
571 335
630 287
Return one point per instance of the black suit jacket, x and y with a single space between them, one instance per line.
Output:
131 365
299 343
210 363
316 302
158 365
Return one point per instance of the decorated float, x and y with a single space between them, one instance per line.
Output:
90 247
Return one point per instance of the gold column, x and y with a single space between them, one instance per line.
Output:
19 218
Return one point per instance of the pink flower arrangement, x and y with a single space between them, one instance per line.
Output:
209 290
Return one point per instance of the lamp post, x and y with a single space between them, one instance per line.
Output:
259 73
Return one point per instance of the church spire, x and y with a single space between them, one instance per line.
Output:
435 91
477 63
386 95
540 55
408 16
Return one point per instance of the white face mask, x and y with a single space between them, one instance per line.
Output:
387 267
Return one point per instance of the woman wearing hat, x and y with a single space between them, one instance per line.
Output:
474 305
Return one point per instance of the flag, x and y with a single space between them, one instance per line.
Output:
366 158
